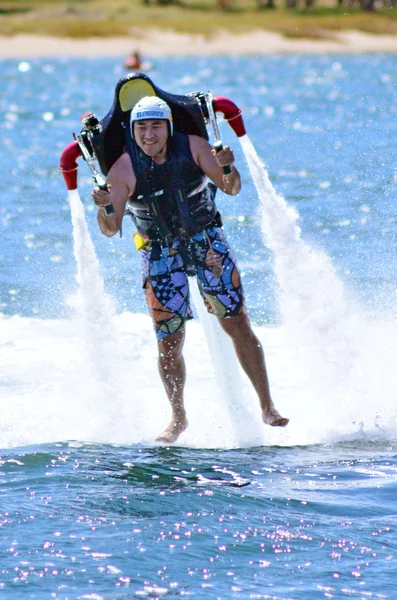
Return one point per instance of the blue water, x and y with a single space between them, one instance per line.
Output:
90 507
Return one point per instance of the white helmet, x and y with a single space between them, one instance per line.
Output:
151 107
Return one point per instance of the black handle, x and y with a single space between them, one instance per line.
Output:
109 208
218 146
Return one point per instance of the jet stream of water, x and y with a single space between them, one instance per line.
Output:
95 310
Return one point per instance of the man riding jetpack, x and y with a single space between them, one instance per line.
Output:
160 168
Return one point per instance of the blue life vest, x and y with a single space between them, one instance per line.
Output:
172 199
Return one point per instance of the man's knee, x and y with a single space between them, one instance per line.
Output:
172 344
236 324
239 320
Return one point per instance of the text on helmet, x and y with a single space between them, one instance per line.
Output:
150 113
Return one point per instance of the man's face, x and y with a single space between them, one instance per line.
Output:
151 135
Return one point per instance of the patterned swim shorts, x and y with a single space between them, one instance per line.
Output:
166 280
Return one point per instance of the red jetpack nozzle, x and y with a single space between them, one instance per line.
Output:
68 165
232 114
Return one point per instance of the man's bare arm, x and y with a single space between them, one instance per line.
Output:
211 164
121 184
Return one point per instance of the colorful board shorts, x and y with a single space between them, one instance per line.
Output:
165 280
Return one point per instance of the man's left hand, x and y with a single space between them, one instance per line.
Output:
224 157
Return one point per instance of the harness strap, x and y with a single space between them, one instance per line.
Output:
163 230
179 194
178 186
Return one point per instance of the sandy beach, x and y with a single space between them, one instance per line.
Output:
165 43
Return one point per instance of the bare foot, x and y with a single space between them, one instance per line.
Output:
273 418
173 431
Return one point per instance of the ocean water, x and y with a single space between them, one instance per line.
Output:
90 506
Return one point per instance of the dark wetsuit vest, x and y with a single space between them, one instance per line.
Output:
172 199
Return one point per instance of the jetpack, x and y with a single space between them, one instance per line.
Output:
101 142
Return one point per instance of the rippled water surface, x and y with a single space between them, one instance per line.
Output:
90 506
97 521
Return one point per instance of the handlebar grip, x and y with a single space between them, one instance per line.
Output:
218 146
109 208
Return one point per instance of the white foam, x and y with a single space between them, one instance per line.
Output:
49 394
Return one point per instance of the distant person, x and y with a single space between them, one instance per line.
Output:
162 178
133 61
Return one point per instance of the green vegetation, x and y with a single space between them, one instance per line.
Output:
104 18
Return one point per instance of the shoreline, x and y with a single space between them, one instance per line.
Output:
157 42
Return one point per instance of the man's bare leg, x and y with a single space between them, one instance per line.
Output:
251 356
173 375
